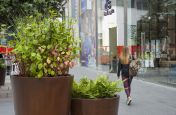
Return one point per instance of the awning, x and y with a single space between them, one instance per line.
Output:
5 49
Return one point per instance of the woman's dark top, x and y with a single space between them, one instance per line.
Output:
124 68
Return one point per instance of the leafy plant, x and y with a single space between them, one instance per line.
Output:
44 46
2 63
11 9
102 87
147 56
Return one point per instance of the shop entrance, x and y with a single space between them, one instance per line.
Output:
113 49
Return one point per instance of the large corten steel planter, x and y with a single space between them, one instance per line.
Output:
45 96
2 76
104 106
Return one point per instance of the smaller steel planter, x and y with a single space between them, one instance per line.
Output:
2 76
104 106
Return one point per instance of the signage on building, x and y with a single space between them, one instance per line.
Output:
132 31
108 8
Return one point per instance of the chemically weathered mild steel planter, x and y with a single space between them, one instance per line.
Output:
103 106
2 76
44 96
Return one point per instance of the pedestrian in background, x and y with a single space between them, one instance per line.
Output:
123 68
114 65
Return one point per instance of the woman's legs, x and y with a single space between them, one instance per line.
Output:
130 80
126 83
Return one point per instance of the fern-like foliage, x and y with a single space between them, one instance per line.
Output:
102 87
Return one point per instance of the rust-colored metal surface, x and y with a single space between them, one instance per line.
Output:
106 106
45 96
2 76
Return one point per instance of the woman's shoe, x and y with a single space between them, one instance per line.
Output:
129 100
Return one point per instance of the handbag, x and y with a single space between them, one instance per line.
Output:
134 66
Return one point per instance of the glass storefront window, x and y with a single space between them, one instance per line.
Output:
156 20
87 29
107 31
151 35
156 34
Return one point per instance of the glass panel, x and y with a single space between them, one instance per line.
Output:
156 36
88 32
107 24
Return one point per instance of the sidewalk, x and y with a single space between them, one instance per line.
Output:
163 76
148 98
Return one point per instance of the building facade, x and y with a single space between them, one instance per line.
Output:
147 27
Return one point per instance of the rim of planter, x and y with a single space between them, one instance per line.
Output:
55 77
107 98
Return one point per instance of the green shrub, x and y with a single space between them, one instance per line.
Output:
44 46
2 63
102 87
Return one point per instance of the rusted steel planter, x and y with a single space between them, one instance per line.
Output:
45 96
104 106
2 76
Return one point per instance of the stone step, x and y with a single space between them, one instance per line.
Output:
5 91
6 87
6 95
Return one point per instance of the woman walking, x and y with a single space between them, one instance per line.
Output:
123 67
